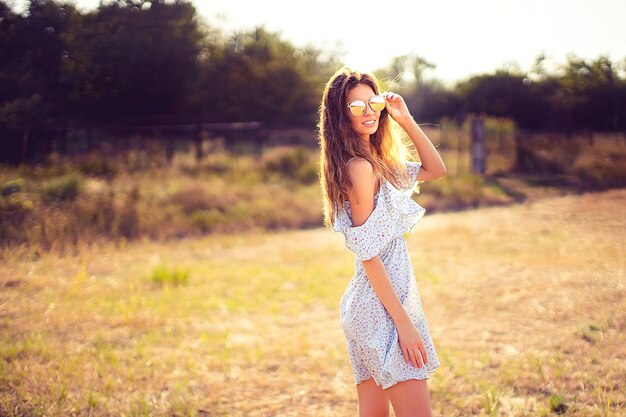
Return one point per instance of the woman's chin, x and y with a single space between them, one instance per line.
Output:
369 130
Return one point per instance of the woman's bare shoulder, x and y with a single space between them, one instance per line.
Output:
358 166
362 175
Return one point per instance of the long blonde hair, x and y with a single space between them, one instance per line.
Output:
339 143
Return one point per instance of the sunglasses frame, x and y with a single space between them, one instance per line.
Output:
367 104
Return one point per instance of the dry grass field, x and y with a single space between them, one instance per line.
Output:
527 305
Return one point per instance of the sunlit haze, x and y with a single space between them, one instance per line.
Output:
460 37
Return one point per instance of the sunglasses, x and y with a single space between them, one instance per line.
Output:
358 107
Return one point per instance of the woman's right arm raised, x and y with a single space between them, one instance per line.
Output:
361 198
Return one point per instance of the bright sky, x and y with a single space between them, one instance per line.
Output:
461 37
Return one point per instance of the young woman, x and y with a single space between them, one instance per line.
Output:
366 184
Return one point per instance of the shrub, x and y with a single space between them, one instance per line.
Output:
547 155
218 163
192 198
291 162
463 191
66 187
15 217
98 214
15 203
207 220
575 163
195 197
13 186
308 174
97 165
602 168
129 221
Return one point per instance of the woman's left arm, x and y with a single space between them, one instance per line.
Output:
432 164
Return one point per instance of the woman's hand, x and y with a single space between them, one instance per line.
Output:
411 344
396 107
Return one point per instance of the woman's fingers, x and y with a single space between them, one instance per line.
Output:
412 346
391 96
408 356
412 356
405 353
422 361
419 357
424 355
416 358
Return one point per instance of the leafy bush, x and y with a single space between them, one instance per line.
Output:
542 156
16 202
66 187
219 163
128 218
463 191
12 186
207 220
97 165
291 162
196 197
192 198
576 162
603 168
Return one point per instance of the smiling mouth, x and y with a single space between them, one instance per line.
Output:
370 123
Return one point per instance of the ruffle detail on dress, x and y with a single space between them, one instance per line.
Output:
413 169
394 213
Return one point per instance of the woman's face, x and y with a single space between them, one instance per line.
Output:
367 124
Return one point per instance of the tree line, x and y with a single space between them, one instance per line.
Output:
580 94
139 62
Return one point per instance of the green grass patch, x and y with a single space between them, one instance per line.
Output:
66 187
556 403
163 275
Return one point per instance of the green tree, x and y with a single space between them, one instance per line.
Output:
428 99
257 76
32 89
131 59
589 95
504 94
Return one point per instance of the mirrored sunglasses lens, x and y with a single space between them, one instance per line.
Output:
357 108
377 103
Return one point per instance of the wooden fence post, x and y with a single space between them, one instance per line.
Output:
521 154
459 150
478 145
199 135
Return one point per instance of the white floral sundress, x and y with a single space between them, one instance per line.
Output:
371 334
